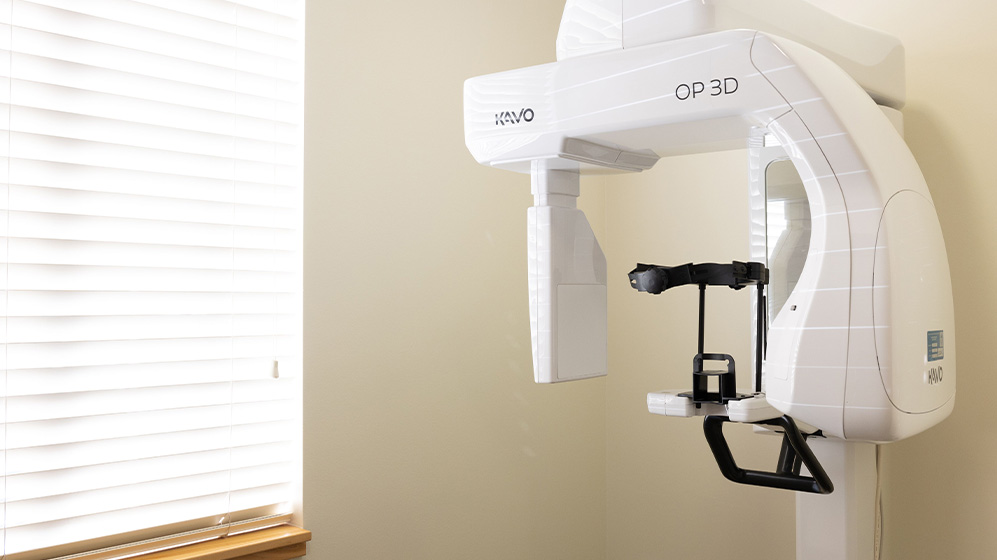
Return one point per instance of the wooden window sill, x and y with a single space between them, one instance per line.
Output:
282 542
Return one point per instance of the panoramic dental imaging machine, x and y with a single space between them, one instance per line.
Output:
853 327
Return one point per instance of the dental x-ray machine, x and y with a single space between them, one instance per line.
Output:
854 335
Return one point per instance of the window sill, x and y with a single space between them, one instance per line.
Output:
283 542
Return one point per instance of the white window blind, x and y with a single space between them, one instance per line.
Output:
150 212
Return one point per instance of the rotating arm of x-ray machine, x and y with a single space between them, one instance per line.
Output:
851 351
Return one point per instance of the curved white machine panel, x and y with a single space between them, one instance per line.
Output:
864 346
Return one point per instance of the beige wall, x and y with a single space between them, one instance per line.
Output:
425 436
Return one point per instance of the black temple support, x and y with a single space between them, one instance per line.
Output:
655 279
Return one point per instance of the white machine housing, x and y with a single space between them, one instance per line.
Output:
864 348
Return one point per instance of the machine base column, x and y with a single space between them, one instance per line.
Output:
840 525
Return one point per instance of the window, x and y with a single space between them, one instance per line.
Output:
151 216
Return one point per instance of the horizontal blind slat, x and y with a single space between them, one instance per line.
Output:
41 147
99 452
286 23
108 425
33 225
45 70
200 479
68 506
262 497
183 12
71 304
116 107
70 405
225 143
126 279
52 209
48 355
167 185
220 71
30 330
39 485
145 255
158 31
31 408
41 381
60 457
204 511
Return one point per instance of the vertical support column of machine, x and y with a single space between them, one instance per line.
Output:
567 277
840 525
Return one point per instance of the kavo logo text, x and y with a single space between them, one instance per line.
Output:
510 118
